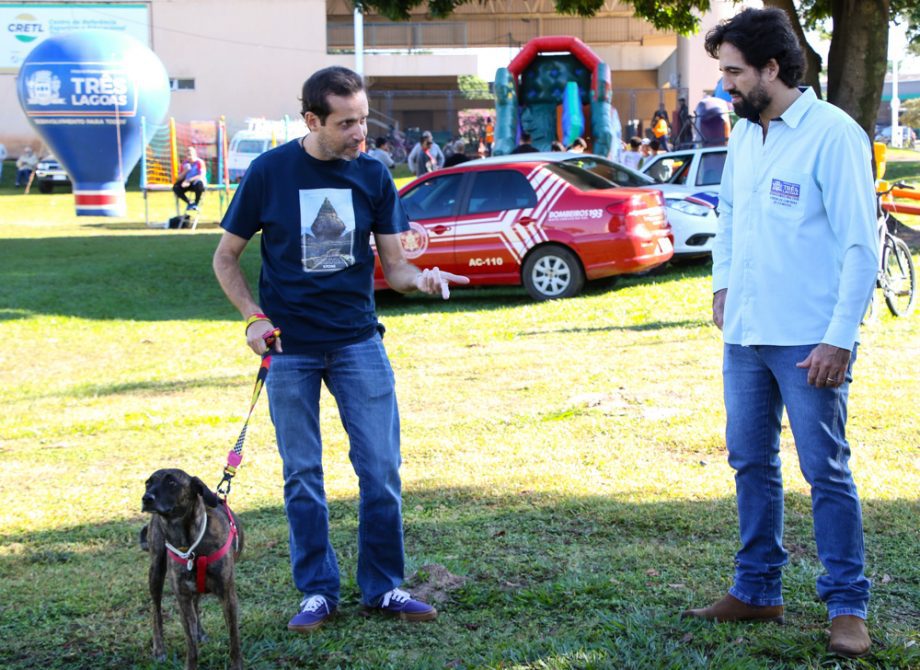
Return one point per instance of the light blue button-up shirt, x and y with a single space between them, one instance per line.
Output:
797 244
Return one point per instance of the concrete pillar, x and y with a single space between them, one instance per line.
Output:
698 72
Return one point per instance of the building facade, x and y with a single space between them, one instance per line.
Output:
242 59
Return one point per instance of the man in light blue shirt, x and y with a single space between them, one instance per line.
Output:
794 267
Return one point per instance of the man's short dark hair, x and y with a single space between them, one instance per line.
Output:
761 34
335 80
525 137
381 141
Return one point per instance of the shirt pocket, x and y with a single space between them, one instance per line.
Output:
786 195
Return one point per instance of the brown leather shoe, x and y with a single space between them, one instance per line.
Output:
732 609
849 636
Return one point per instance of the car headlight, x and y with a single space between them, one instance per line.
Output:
690 208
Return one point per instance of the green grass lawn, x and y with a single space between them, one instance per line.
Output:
566 491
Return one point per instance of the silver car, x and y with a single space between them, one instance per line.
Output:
49 173
689 180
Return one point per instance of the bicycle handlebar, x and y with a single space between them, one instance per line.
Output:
897 184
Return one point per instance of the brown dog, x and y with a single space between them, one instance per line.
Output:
194 538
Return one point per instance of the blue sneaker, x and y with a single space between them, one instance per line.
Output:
400 604
191 208
314 612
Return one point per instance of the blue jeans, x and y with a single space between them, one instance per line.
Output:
361 380
759 381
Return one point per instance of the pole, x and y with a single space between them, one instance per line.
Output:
895 106
359 42
897 42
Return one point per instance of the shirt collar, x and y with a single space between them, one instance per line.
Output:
794 113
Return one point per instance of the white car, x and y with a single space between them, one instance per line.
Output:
690 211
689 180
49 173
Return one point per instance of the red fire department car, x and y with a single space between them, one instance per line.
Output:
531 220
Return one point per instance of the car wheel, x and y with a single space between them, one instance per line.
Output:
46 187
552 272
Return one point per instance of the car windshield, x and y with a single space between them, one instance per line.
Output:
251 146
612 172
581 179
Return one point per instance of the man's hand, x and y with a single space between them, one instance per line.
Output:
827 366
186 183
718 307
436 281
256 334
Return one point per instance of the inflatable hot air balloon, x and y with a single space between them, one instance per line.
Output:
86 93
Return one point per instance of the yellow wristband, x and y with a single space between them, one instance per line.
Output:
256 317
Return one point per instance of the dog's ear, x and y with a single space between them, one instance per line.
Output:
209 497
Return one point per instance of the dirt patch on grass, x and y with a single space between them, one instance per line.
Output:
434 583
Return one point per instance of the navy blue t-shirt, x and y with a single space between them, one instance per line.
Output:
316 219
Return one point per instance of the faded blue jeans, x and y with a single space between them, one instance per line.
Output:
759 381
361 380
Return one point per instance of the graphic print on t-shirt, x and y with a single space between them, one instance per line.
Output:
327 229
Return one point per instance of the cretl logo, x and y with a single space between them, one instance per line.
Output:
26 28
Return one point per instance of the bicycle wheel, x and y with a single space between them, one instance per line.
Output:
900 280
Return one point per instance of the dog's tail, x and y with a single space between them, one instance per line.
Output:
143 538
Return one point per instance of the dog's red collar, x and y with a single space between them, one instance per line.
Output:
200 563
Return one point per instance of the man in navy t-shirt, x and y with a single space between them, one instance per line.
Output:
317 201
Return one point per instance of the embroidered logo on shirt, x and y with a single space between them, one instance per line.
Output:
784 193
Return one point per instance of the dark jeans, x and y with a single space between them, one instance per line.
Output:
361 381
22 176
196 186
759 382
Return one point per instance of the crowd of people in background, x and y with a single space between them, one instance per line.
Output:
709 125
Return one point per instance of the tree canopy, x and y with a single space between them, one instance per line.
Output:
676 15
857 61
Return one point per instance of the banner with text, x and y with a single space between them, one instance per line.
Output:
26 25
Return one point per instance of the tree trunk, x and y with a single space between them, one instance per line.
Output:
813 62
858 58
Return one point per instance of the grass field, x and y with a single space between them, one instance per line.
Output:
566 492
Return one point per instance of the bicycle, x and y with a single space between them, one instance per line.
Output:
896 275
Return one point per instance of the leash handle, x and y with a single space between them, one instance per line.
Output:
270 338
235 455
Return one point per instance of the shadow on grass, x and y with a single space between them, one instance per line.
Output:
159 387
551 582
169 277
140 225
650 325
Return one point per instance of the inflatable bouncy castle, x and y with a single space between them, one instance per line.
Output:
555 89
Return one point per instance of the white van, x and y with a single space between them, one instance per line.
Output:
259 136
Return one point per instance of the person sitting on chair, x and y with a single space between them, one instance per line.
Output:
192 177
25 165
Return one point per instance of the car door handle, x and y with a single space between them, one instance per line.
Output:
440 229
525 220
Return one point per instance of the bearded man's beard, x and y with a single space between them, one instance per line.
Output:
752 104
